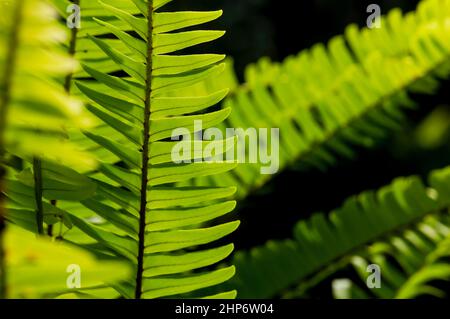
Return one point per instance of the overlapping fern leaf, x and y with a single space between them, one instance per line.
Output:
39 268
36 114
138 214
87 52
41 113
324 243
329 99
412 263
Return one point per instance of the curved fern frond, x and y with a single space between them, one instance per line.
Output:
411 263
349 93
320 241
140 216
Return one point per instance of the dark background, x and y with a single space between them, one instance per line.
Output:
257 28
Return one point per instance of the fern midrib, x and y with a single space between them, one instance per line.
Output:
321 275
351 121
38 188
10 64
67 88
145 153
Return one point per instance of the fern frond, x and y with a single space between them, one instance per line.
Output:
329 99
39 34
411 262
320 241
36 112
140 216
29 258
59 183
85 51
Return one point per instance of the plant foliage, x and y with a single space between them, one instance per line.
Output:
90 116
327 242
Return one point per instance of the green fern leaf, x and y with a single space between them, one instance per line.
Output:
29 258
323 244
411 262
37 113
144 218
328 99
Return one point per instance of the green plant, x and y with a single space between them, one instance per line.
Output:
35 111
329 99
326 243
145 218
30 257
159 220
86 141
362 85
419 252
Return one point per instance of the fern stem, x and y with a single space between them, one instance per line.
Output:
145 153
5 98
50 230
72 49
67 88
37 172
300 291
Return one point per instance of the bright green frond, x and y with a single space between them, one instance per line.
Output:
128 78
36 112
